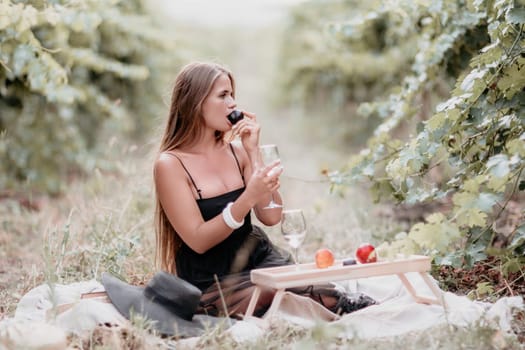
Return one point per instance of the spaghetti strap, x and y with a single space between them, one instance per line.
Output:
238 165
187 172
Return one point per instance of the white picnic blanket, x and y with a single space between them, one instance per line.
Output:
396 314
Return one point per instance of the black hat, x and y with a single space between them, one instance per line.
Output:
167 300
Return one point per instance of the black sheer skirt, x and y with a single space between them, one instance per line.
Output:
230 293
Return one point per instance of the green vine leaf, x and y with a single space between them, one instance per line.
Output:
471 217
437 234
513 79
516 15
498 165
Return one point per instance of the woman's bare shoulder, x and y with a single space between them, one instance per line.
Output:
166 156
167 162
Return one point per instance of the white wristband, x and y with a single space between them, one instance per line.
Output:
228 218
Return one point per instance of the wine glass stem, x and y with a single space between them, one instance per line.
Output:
297 256
272 204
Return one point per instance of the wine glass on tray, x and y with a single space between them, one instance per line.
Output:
293 228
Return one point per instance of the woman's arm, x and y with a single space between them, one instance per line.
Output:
249 130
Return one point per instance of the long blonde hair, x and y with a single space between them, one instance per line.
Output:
184 125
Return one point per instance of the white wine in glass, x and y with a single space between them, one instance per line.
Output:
293 228
269 154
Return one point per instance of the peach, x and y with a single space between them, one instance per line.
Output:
324 258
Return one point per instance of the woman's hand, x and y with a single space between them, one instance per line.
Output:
264 181
267 179
248 130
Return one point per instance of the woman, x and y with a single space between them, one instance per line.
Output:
206 189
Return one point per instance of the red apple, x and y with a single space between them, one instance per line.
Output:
324 258
366 253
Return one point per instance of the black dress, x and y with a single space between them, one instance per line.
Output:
230 261
246 248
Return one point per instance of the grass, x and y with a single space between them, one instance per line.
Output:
289 336
101 224
285 335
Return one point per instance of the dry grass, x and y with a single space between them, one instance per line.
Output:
101 224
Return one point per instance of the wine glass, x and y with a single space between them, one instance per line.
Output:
293 228
269 154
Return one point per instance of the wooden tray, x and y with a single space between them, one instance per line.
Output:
296 275
299 275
